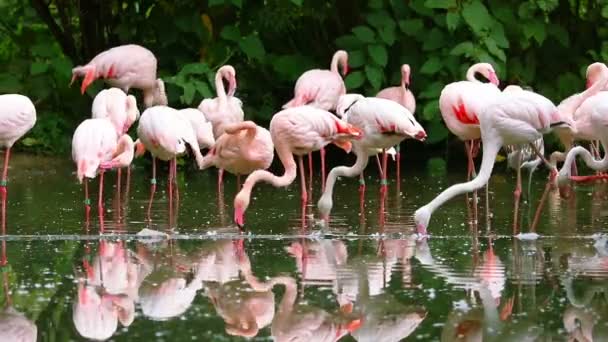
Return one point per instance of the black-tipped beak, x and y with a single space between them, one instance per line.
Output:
560 124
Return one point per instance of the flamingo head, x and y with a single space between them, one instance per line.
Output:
594 73
405 75
345 103
422 216
229 74
241 202
88 72
325 204
140 149
342 57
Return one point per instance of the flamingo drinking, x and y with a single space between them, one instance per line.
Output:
298 131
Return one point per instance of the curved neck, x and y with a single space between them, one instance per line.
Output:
219 86
490 151
472 71
405 76
337 59
596 87
597 165
287 178
345 171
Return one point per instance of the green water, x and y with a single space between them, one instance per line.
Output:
363 278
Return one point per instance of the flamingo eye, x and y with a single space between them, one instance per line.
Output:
412 122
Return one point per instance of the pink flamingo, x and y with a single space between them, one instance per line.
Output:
125 67
385 123
225 109
321 88
460 104
95 148
403 96
579 110
203 129
514 118
243 148
298 131
118 107
166 134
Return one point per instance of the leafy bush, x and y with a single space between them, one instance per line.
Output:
545 44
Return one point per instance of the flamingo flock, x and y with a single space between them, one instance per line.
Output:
320 113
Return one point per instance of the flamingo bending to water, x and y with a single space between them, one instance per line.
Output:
384 123
243 148
403 96
125 67
321 88
514 118
225 109
118 107
298 131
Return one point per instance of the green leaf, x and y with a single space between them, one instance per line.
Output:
494 49
252 46
560 34
374 76
364 34
437 167
465 48
348 42
388 35
411 27
356 59
212 3
431 66
476 15
605 11
354 80
38 68
419 7
434 40
378 54
452 19
431 110
237 3
535 29
432 91
231 33
203 89
379 19
436 132
498 34
376 4
442 4
194 68
188 94
30 142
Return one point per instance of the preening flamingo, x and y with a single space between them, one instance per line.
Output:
403 96
95 148
203 129
321 88
225 109
385 123
17 117
118 107
125 67
577 108
460 104
514 118
243 148
298 131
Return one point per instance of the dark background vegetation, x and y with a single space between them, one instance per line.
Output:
545 44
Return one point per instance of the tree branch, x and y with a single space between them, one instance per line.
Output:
66 42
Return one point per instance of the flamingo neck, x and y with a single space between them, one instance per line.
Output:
219 87
476 68
597 165
405 76
596 87
338 58
490 151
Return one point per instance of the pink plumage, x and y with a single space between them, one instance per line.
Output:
93 143
118 107
401 94
225 109
17 117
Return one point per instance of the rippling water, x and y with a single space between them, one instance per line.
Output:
182 272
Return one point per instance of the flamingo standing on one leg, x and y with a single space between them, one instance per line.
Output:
166 133
125 67
321 88
17 117
403 96
243 148
514 118
225 109
384 123
95 148
298 131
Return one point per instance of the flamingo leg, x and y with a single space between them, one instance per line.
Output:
4 193
488 217
362 193
383 181
516 197
100 201
87 200
220 178
310 166
470 145
539 209
323 169
4 181
170 192
379 163
152 188
302 179
118 192
238 182
175 181
398 162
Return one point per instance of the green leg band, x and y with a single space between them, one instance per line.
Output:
87 201
153 181
361 181
383 182
398 148
3 182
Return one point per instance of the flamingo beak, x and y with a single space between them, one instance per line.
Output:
588 84
421 229
346 145
88 79
232 87
345 70
140 149
493 78
354 325
74 76
421 135
238 217
407 81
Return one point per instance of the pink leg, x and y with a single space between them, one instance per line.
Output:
4 181
238 183
398 162
220 178
87 200
152 188
322 169
310 172
383 181
118 193
4 196
175 181
362 182
100 202
170 192
302 179
516 195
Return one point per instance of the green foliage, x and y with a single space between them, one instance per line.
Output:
271 44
